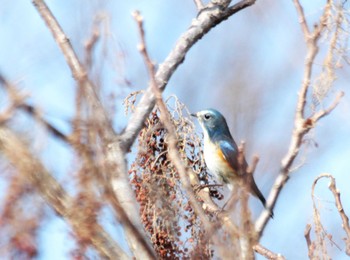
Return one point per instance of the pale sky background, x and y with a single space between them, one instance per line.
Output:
254 60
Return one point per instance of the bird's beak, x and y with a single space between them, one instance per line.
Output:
194 115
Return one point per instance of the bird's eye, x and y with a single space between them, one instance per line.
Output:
207 116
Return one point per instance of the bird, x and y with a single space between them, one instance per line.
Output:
221 154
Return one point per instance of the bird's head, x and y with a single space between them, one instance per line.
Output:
212 122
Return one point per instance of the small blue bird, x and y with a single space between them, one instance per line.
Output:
221 153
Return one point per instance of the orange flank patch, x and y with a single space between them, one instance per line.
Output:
223 159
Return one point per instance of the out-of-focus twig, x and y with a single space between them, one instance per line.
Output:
268 254
247 237
54 194
207 19
302 123
51 128
90 44
15 100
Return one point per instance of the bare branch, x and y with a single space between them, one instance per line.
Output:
206 20
302 124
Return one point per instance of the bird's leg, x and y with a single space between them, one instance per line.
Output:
197 188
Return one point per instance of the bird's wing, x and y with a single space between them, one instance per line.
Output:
230 153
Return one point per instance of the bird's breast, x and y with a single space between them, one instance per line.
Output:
216 162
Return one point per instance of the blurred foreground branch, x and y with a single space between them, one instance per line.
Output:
78 71
81 221
123 200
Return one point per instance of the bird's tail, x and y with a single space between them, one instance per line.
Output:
257 193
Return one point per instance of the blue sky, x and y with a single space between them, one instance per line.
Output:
258 55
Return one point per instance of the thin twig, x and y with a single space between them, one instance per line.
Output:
51 129
322 113
268 254
15 98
